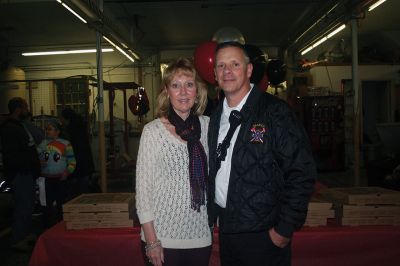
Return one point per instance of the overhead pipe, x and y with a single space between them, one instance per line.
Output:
87 10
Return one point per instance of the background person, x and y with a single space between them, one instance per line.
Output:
260 187
21 168
58 162
171 172
75 130
36 133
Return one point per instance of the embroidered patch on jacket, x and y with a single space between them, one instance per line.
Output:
257 133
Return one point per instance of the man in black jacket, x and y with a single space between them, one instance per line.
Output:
262 175
21 168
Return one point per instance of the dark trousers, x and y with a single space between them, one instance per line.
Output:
55 192
250 249
24 201
183 257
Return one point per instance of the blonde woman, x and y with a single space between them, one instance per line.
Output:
172 171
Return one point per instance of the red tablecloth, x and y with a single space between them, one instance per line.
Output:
347 246
321 246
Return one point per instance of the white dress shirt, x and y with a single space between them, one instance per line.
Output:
224 172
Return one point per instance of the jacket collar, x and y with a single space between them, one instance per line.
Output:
247 109
250 105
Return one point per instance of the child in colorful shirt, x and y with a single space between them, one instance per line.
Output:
58 161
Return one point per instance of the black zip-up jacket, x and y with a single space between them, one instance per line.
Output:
272 169
18 156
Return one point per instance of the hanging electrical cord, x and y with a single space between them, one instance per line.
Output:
104 72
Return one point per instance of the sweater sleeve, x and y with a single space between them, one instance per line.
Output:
145 175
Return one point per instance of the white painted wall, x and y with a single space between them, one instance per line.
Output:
322 75
331 76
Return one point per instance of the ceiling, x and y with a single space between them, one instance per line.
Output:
32 25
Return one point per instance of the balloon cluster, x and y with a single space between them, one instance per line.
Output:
264 73
204 57
276 72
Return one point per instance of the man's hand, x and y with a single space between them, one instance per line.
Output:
277 239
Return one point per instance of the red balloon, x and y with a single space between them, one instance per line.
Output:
204 57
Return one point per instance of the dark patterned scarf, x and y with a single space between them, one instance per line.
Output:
190 131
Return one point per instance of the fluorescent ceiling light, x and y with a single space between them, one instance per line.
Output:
119 49
124 53
323 39
105 50
319 42
336 31
306 50
109 41
72 11
134 54
378 3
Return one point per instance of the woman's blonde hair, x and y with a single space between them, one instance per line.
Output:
181 66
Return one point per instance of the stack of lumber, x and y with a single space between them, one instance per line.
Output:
100 210
365 205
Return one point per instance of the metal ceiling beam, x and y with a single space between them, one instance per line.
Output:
330 15
101 23
338 12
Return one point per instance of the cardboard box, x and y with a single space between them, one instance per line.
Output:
101 202
368 221
370 210
321 213
319 203
362 195
96 216
100 210
315 221
71 225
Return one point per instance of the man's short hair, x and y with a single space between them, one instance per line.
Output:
15 103
233 44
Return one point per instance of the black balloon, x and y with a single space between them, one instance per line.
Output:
259 60
276 72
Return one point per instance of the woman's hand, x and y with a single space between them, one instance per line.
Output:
154 249
156 255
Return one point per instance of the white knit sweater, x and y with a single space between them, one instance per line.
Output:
163 188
